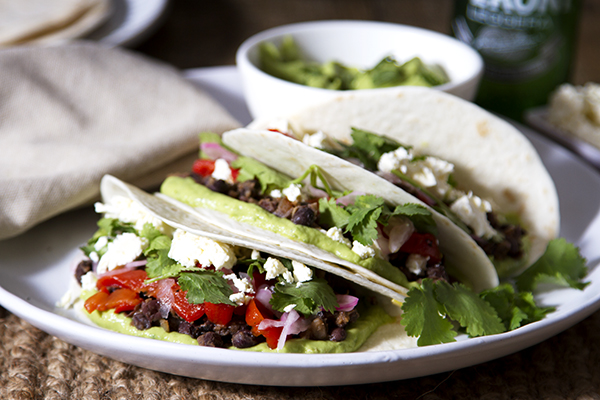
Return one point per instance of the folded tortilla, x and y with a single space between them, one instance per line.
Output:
491 157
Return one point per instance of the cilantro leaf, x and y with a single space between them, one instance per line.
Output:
419 215
364 214
331 214
423 316
159 264
514 308
150 232
369 147
309 297
468 309
206 286
561 264
269 179
109 227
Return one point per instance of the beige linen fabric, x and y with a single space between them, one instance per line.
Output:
70 114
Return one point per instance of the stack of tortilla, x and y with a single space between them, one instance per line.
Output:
49 21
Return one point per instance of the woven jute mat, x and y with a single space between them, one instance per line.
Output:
34 365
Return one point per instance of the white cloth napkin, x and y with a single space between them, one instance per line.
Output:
70 114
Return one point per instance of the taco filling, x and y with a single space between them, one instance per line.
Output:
399 243
431 180
150 276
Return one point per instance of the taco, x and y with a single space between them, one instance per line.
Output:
463 162
156 272
390 241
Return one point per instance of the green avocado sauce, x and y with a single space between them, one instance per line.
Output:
189 192
357 333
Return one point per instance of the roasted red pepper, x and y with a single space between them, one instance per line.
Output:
424 244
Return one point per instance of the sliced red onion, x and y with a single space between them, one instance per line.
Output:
288 319
263 296
117 271
316 193
349 198
164 293
346 302
398 230
291 322
135 264
388 176
215 151
383 243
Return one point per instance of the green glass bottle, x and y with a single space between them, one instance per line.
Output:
527 47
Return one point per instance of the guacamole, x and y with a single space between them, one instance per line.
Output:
189 192
287 62
357 333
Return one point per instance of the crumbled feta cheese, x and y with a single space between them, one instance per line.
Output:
129 211
430 172
301 272
472 211
416 263
337 234
94 257
125 248
576 109
275 193
288 276
240 298
244 288
71 296
315 140
362 250
88 281
397 159
242 284
100 243
292 192
255 255
187 249
289 308
274 268
222 170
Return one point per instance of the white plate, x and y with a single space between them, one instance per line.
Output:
131 21
34 272
538 119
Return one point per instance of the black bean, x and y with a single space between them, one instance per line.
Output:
303 215
218 185
243 339
338 335
318 329
210 339
83 268
189 329
344 318
141 321
151 308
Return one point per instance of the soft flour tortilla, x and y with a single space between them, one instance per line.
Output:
491 157
49 21
179 215
387 337
293 158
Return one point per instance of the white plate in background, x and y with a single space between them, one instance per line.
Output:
131 22
34 270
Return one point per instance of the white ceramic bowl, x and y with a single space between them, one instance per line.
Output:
354 43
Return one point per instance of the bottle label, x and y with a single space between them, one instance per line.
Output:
518 39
